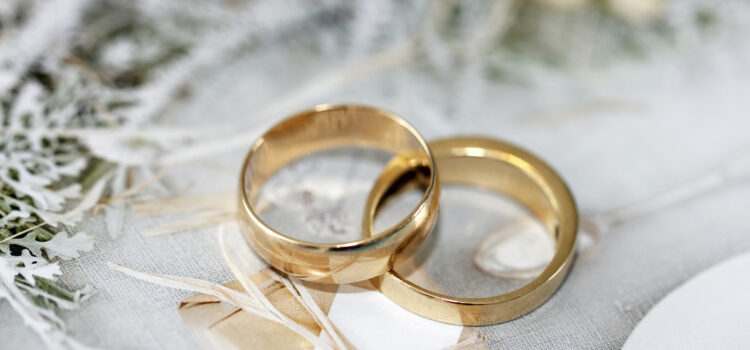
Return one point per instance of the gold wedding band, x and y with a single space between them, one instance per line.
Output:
321 128
497 166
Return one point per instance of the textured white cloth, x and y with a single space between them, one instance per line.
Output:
615 144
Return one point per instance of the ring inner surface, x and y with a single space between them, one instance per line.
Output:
511 176
315 131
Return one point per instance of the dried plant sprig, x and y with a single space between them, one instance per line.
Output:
228 295
240 270
303 296
252 300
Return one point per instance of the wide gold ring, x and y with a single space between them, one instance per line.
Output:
497 166
321 128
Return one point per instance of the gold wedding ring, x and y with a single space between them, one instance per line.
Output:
497 166
321 128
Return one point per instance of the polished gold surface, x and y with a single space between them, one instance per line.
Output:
318 129
494 165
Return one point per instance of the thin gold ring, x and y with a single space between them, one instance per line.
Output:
497 166
321 128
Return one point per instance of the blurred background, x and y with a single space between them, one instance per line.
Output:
641 105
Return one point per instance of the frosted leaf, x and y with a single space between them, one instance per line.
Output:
27 103
73 168
119 53
25 258
37 316
25 210
72 191
68 247
29 266
61 245
120 149
14 215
